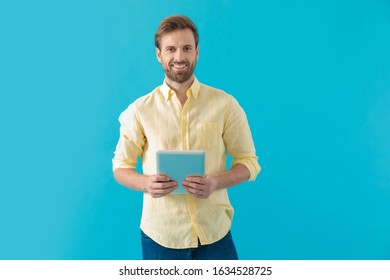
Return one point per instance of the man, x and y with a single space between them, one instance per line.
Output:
183 114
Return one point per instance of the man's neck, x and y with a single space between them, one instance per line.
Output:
180 88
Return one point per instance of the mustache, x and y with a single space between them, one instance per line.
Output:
179 62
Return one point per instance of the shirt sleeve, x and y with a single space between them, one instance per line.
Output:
131 140
238 138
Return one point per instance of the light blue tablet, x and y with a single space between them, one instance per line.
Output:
179 164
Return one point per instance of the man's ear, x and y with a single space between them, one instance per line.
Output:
158 54
197 52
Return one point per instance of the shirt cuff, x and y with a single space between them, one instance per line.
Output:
252 165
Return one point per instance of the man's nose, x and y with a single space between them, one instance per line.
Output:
179 55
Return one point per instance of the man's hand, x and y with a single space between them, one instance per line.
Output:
200 187
159 185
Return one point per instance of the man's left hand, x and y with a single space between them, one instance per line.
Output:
200 187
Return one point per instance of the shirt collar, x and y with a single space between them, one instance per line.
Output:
193 90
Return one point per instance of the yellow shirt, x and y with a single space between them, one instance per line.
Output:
210 120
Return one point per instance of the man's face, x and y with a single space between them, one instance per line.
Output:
178 55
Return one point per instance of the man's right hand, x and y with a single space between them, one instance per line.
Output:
155 185
159 185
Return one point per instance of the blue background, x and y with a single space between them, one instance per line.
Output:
312 76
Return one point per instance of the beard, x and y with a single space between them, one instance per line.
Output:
179 77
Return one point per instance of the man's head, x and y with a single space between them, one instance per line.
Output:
173 23
177 48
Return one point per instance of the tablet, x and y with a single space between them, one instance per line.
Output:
179 164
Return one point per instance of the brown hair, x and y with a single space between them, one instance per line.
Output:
173 23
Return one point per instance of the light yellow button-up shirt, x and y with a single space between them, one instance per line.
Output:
210 120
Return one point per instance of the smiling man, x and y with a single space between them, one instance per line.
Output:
183 114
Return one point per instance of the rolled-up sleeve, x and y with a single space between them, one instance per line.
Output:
238 139
131 140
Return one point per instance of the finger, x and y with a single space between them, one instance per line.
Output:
192 185
196 179
156 193
161 178
169 184
195 191
164 185
169 190
162 191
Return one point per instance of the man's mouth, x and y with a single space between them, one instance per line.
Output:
179 66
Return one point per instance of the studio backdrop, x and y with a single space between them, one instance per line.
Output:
312 76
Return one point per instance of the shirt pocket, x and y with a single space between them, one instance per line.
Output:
207 134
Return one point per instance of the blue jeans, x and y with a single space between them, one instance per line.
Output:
223 249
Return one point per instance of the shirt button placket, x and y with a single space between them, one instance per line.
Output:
184 126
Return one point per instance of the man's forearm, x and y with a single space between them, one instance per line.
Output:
236 175
130 178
